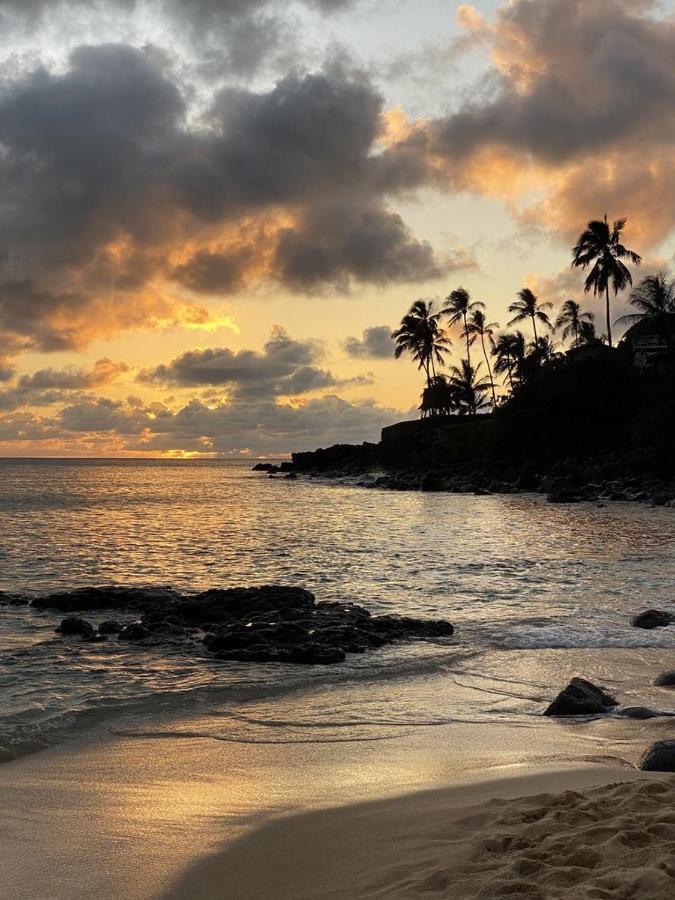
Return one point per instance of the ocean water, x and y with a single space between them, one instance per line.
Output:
520 579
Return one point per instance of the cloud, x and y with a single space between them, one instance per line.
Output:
114 195
375 343
284 368
49 386
575 119
265 426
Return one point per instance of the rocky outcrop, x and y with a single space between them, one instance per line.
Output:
272 623
581 698
665 679
652 618
660 757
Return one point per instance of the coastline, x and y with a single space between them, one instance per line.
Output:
502 835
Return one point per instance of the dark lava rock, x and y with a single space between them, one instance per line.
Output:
404 626
665 679
72 625
265 467
641 712
272 601
563 495
313 654
134 632
581 698
111 597
652 618
291 475
109 627
660 757
432 481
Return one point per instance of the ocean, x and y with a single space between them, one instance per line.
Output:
535 591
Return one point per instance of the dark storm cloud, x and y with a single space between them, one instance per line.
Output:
101 177
375 343
337 241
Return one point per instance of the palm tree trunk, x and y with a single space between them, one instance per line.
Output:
468 344
510 373
487 362
609 321
534 328
576 335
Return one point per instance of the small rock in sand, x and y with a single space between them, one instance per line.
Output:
581 698
665 679
660 757
72 625
652 618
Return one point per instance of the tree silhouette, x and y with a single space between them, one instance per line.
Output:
479 327
469 390
655 298
438 398
600 246
509 352
570 318
458 307
421 337
587 335
527 306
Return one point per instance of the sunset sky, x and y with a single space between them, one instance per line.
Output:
213 212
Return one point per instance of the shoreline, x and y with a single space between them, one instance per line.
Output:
470 840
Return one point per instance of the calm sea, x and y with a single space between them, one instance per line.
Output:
514 573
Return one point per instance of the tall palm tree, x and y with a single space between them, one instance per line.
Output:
479 327
570 318
655 298
421 336
600 246
587 334
509 352
468 388
458 307
527 306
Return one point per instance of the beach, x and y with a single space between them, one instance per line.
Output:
136 771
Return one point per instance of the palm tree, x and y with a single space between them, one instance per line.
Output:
527 306
421 336
509 351
477 326
438 398
468 389
600 246
570 318
655 298
458 306
587 334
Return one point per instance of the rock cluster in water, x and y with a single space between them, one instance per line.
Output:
258 624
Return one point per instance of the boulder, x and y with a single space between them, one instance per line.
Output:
665 679
581 698
134 632
109 627
652 618
265 467
659 758
641 712
313 654
72 625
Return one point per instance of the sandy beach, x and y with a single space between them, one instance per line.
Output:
543 835
172 812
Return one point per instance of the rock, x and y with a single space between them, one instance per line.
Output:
290 475
313 654
652 618
640 712
72 625
563 495
265 467
111 597
109 627
665 679
134 632
659 758
431 481
581 698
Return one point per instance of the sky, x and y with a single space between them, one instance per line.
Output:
213 212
